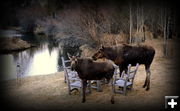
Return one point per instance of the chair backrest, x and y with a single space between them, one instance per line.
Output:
116 71
64 62
66 68
131 73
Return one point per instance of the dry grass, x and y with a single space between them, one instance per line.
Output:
87 51
112 39
42 92
172 46
50 91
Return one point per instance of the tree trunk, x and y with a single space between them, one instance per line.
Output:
130 24
137 12
165 32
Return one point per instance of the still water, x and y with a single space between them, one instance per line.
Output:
41 60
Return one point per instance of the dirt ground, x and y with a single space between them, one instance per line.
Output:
50 91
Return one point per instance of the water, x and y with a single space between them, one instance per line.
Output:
41 60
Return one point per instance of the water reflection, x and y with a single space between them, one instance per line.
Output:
40 60
45 61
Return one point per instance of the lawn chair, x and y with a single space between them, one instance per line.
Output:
71 77
125 81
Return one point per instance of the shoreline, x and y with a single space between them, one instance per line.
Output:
14 44
34 77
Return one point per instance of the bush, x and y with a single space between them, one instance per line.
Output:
27 17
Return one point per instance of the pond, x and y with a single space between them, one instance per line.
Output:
41 60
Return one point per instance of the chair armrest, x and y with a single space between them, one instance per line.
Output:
68 67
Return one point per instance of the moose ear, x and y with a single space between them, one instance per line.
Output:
69 56
76 61
77 55
102 47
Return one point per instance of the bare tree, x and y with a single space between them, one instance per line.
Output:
166 31
130 24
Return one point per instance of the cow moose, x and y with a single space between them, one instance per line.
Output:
88 69
125 54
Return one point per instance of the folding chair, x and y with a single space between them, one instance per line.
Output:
125 81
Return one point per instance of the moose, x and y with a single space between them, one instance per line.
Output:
88 69
125 54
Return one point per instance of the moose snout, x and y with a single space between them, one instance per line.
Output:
72 68
94 58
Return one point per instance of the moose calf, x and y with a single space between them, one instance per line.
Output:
88 69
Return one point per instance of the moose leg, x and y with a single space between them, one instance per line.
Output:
148 80
112 91
148 74
121 68
84 83
145 83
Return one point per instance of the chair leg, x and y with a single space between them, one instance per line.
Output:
64 78
69 91
131 88
113 88
124 90
69 88
98 86
89 86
